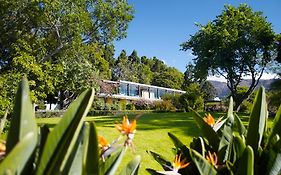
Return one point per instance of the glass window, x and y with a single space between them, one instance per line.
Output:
134 90
123 89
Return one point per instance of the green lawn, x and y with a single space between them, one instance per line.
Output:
151 134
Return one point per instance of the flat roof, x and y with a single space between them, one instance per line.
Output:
143 85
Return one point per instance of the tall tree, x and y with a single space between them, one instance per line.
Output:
43 38
237 43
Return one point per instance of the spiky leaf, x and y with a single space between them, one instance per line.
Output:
246 162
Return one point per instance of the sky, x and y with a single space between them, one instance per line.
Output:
160 26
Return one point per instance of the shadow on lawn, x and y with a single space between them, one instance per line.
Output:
157 121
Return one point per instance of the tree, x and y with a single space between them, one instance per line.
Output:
169 77
237 43
45 39
192 98
208 90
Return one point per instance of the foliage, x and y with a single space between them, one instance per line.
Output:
238 42
44 39
208 90
227 147
72 146
175 100
192 98
143 104
274 96
164 105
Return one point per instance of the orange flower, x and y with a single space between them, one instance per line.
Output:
103 144
179 164
212 158
209 119
126 127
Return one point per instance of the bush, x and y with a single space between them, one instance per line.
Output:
143 104
174 99
130 106
164 105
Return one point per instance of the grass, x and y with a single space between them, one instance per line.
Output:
151 134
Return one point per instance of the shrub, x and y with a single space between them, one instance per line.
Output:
227 147
122 104
72 146
164 105
143 104
130 106
175 100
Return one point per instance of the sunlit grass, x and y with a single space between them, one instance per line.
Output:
151 133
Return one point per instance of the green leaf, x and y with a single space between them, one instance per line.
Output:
240 127
257 121
276 126
74 163
206 130
152 172
198 145
226 139
161 160
246 163
92 151
273 166
203 166
179 145
16 160
114 165
61 139
238 147
23 119
132 167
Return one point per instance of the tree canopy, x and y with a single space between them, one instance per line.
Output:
54 43
238 42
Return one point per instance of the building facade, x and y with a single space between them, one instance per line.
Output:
135 91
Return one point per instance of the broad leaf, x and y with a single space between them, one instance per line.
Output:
203 166
240 127
16 160
273 166
179 145
92 151
276 126
115 164
246 162
238 147
62 138
257 121
23 119
166 165
132 167
226 139
207 130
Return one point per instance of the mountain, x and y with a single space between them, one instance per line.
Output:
223 90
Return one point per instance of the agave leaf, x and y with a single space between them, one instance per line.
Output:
23 120
92 151
166 165
16 160
240 127
203 166
246 163
179 145
276 126
226 139
206 130
257 121
132 167
62 138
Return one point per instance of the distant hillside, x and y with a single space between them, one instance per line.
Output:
223 91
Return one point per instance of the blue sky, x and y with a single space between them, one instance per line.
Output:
160 26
